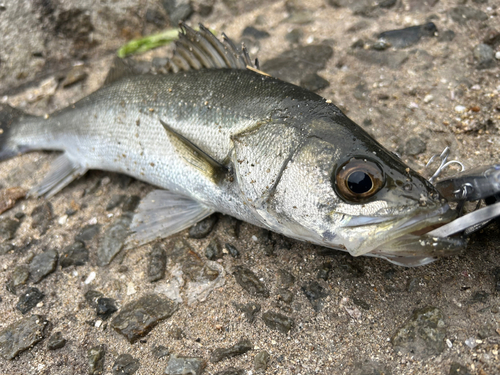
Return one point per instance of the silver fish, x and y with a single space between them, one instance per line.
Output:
219 135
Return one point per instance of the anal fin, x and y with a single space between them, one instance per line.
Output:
62 172
163 213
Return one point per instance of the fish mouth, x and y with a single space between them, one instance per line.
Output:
404 241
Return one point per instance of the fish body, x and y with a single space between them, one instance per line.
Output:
247 145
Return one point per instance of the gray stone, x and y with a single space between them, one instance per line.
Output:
178 10
87 233
261 360
92 296
138 317
19 276
74 255
105 307
185 366
125 364
29 299
237 349
160 351
113 240
250 282
415 146
485 56
285 279
458 369
43 264
370 367
96 360
423 335
313 82
463 14
8 228
21 335
315 293
403 38
231 371
233 251
203 228
42 217
250 310
277 321
255 33
214 251
56 341
115 201
157 263
294 36
297 63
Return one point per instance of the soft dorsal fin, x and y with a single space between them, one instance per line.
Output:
201 49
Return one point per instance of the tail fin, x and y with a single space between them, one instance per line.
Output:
9 118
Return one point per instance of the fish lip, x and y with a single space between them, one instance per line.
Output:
423 220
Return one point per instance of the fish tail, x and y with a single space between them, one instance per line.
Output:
11 124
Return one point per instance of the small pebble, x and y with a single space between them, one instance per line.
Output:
56 341
125 364
277 321
239 348
29 299
261 360
96 360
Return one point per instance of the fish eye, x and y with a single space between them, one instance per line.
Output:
358 179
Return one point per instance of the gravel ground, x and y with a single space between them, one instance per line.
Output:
310 310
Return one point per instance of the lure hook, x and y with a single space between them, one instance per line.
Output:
444 163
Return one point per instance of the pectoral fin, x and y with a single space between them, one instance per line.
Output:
62 172
163 213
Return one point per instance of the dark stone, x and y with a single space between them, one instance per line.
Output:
155 17
203 228
87 233
359 302
29 299
92 296
294 64
390 59
261 360
131 203
56 341
250 310
255 33
233 251
43 264
113 240
231 371
277 321
74 255
387 3
458 369
423 335
408 36
492 39
370 367
74 24
96 360
463 14
125 364
42 217
214 251
324 271
484 56
160 351
105 307
285 279
115 201
204 7
315 293
184 366
496 276
138 317
415 146
239 348
314 82
157 263
19 276
177 10
8 228
294 36
480 296
446 36
21 335
250 282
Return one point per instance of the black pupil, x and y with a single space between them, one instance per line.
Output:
359 182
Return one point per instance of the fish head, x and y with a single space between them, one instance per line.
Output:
341 189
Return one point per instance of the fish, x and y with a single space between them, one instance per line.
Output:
218 135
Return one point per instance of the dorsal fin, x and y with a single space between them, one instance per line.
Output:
201 49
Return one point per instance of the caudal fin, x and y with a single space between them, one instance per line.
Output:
9 118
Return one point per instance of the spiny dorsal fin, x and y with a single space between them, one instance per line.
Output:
201 49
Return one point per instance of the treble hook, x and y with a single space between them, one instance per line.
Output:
444 163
